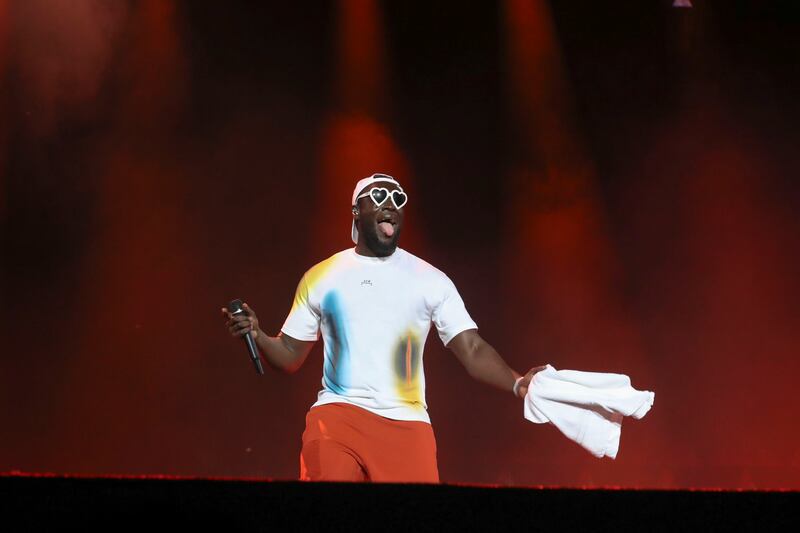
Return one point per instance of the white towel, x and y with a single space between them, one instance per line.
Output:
587 407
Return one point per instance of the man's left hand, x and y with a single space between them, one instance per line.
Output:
525 382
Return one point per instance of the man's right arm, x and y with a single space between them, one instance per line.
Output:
281 352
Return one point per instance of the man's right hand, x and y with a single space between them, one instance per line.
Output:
282 352
242 324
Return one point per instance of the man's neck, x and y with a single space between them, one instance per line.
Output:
363 249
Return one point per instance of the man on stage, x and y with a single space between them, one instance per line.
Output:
374 305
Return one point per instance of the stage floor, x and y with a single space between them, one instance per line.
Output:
38 501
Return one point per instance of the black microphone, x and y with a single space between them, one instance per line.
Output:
235 308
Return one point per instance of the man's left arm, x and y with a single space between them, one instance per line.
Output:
483 363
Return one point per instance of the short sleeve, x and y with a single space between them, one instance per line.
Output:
303 320
450 315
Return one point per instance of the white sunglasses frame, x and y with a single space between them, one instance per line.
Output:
389 194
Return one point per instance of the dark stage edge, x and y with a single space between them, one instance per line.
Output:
135 503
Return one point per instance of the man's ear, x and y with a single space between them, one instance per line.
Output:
355 210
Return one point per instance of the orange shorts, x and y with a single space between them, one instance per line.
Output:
343 442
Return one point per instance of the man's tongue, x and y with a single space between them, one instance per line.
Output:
386 228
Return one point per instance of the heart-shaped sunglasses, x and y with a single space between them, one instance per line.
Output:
380 194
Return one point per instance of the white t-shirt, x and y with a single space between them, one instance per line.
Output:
375 314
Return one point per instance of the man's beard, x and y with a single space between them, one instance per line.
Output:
378 247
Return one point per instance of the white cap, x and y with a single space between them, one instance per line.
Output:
360 186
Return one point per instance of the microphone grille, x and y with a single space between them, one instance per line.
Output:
235 307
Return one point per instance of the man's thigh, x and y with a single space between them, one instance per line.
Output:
402 452
327 460
345 442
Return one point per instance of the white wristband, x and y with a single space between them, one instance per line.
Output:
515 388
